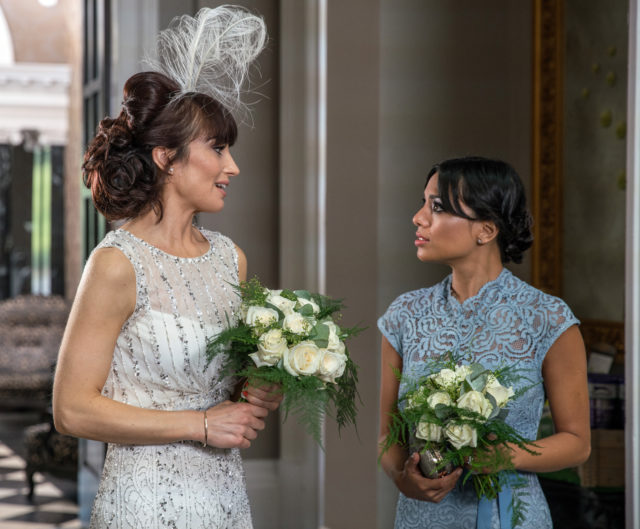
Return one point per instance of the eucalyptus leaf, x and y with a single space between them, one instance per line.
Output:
320 335
442 411
503 414
476 370
272 306
302 294
478 383
495 409
306 310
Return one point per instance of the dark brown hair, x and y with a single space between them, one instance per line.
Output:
118 166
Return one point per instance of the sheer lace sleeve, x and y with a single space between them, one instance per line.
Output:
557 319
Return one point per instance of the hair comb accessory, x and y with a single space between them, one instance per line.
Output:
211 53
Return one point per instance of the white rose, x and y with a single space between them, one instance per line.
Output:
462 372
334 340
261 316
460 435
302 359
499 392
429 431
476 402
314 306
296 323
331 366
439 397
284 304
338 348
445 378
271 347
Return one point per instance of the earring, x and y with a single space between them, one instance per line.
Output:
170 170
480 242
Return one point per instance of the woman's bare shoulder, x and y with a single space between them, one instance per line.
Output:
109 280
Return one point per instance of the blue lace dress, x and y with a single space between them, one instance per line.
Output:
507 321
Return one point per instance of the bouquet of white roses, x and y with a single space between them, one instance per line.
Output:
291 338
455 417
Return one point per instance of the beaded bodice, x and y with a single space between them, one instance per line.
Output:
159 360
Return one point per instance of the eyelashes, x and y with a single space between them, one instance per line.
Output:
436 205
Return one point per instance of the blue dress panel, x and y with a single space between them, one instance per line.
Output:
508 321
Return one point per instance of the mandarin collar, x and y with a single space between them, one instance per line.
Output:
487 291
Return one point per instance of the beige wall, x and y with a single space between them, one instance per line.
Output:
352 271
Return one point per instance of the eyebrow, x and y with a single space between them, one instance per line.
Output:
431 197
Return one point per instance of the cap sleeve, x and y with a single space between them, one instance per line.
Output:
559 318
390 323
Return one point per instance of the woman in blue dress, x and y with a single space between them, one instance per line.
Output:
474 219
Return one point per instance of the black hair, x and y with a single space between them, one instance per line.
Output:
493 191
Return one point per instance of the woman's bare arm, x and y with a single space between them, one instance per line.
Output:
565 378
106 298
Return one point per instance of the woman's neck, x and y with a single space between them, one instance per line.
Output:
172 234
466 281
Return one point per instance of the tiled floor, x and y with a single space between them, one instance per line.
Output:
53 505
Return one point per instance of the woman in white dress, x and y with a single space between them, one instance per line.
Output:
132 368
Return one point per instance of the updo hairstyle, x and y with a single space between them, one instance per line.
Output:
493 191
118 166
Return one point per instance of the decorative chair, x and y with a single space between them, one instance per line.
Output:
51 452
31 329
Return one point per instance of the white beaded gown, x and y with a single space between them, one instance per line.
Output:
159 363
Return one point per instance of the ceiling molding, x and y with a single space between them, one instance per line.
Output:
34 97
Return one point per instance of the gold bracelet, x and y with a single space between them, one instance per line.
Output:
206 429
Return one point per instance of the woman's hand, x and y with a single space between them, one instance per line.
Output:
268 396
234 424
413 484
484 455
402 470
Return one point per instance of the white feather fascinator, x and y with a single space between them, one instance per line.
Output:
211 52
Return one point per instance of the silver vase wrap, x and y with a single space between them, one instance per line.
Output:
430 460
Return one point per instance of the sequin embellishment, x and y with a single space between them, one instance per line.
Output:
159 363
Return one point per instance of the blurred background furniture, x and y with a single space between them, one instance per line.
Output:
31 329
49 451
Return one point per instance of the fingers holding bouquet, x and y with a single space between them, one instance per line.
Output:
455 417
233 424
412 483
492 456
265 395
